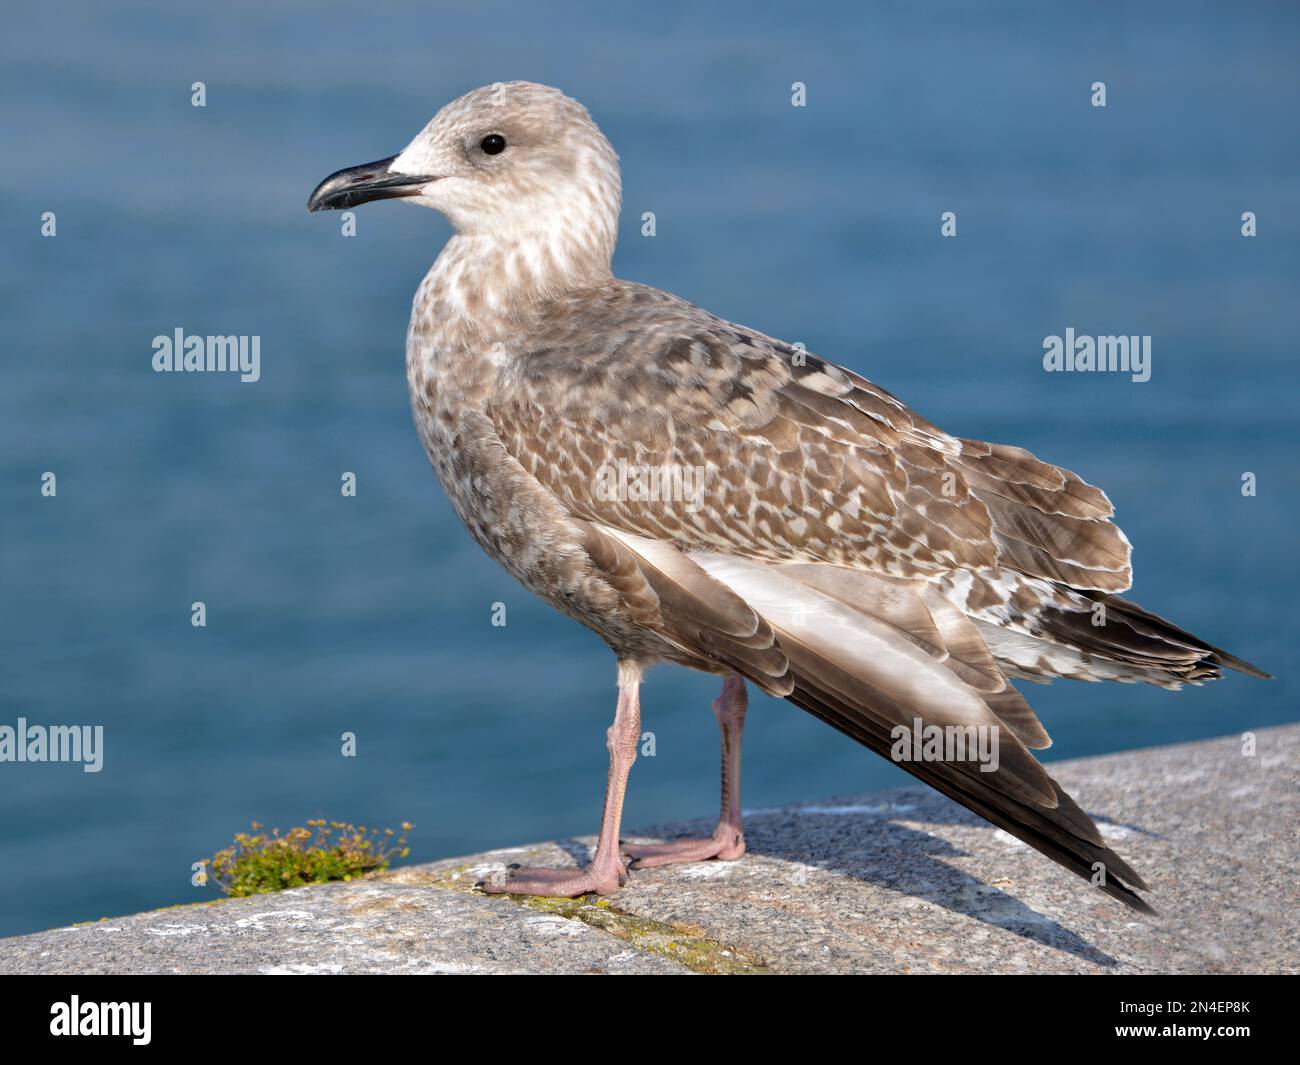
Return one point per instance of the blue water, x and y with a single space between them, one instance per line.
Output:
819 224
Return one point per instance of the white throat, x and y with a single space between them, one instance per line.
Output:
485 285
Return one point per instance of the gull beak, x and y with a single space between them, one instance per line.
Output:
361 184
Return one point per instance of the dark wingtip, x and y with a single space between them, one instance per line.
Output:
1136 902
1242 666
1123 890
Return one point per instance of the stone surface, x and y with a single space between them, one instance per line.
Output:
896 882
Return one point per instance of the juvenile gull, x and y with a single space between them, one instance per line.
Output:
837 549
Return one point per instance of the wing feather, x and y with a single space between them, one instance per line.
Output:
835 547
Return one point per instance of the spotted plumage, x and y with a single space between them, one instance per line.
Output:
697 492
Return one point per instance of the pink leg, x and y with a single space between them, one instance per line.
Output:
728 839
606 872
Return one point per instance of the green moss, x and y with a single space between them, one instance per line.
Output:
669 939
190 905
259 862
683 943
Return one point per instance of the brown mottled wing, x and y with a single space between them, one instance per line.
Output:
804 519
793 458
1047 521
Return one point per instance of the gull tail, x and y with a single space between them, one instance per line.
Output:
1137 644
1145 624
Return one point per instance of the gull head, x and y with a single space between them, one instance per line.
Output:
510 159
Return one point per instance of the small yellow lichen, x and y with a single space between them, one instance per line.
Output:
323 851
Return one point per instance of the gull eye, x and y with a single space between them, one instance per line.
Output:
493 144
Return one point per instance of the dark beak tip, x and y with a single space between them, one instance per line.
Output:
361 184
330 195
